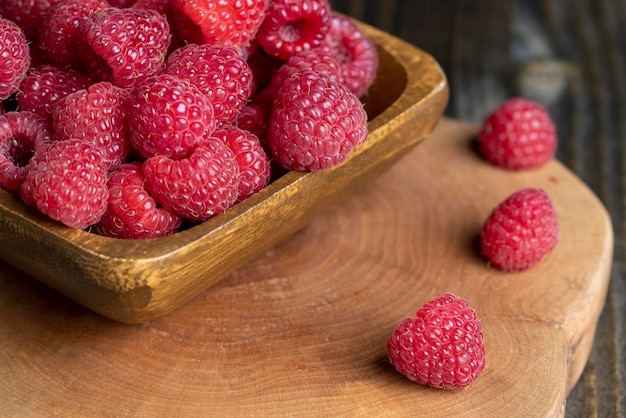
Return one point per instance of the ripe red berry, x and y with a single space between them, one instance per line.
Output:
254 163
169 117
355 51
521 230
57 35
123 46
198 187
14 57
519 134
45 85
293 26
28 14
442 346
67 180
217 71
96 114
21 133
231 23
131 212
252 119
316 122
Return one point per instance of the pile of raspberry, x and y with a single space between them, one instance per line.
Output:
136 118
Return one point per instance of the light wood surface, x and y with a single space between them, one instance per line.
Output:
300 331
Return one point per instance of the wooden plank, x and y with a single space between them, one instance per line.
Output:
301 331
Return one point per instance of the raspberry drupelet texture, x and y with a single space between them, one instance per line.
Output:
21 134
231 23
293 26
321 60
27 14
252 119
519 134
123 46
316 123
45 85
442 346
355 51
67 180
169 116
217 71
57 35
131 212
521 230
254 163
198 187
14 57
96 114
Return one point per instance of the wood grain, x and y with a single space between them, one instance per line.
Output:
571 57
301 330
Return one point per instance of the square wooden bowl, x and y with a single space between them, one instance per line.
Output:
138 280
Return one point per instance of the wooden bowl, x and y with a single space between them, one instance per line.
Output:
138 280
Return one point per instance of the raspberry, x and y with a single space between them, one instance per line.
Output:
14 58
198 187
252 119
169 117
520 231
263 67
293 26
96 114
254 164
231 23
28 14
316 122
45 85
519 134
442 346
67 180
131 212
122 3
123 46
57 35
321 60
355 51
218 72
21 133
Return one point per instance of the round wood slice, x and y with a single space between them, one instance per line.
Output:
301 331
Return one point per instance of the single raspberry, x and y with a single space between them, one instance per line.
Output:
219 72
231 23
442 346
14 57
316 122
198 187
254 163
123 46
96 114
355 51
67 180
57 35
28 14
21 134
169 117
519 134
252 119
131 212
520 231
47 84
321 60
293 26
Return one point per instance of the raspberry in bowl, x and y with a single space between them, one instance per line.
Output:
135 280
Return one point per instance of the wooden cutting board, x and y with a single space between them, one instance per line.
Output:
301 331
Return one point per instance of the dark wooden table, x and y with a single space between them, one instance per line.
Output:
569 55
